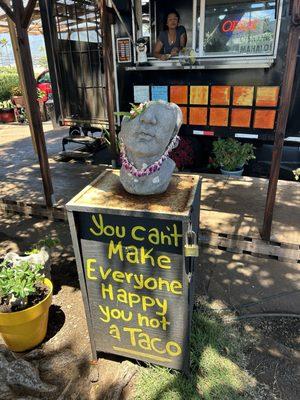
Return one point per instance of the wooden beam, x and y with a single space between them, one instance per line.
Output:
109 75
14 42
284 108
31 94
8 11
28 12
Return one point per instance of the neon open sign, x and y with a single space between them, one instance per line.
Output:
237 25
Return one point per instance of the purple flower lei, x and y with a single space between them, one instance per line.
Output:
151 168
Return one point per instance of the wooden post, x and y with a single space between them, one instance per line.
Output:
21 16
284 107
105 21
14 41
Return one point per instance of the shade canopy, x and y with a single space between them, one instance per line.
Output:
35 27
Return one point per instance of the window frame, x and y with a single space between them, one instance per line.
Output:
279 5
198 12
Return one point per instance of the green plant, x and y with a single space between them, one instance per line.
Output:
17 282
42 60
135 110
16 91
6 105
8 70
40 93
296 172
217 370
8 80
231 154
47 242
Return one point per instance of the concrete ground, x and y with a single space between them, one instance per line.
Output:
20 177
228 206
231 280
240 282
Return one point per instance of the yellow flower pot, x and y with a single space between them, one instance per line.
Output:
23 330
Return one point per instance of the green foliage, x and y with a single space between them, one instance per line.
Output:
296 172
8 80
19 281
40 93
16 91
134 112
8 70
43 62
47 242
231 154
218 366
6 105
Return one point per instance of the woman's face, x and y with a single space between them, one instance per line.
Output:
172 21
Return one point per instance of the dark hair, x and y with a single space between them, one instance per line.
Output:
171 11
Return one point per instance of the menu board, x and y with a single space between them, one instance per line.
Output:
124 50
141 93
137 287
159 93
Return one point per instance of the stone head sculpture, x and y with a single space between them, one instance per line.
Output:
146 141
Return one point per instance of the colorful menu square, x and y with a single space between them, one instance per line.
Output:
179 94
220 95
218 116
243 95
199 94
198 116
184 114
241 117
264 119
267 96
141 94
159 93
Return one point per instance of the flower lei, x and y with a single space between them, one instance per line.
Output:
151 168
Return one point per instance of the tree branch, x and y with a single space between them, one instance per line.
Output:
8 11
28 13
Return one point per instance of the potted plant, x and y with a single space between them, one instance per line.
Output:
7 111
25 298
17 96
231 156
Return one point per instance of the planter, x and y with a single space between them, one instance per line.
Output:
19 101
238 172
42 108
23 330
7 115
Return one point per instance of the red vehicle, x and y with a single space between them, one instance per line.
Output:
44 84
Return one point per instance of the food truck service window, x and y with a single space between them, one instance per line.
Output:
238 27
232 31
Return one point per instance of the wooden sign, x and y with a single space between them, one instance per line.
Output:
134 277
137 286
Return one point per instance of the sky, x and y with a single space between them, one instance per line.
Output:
36 42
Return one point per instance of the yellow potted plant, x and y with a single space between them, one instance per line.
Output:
25 298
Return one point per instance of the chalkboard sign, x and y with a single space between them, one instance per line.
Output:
135 280
137 286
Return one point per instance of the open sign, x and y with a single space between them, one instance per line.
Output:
237 25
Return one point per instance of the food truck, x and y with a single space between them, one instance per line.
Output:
227 82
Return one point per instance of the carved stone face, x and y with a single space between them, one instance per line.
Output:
149 134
